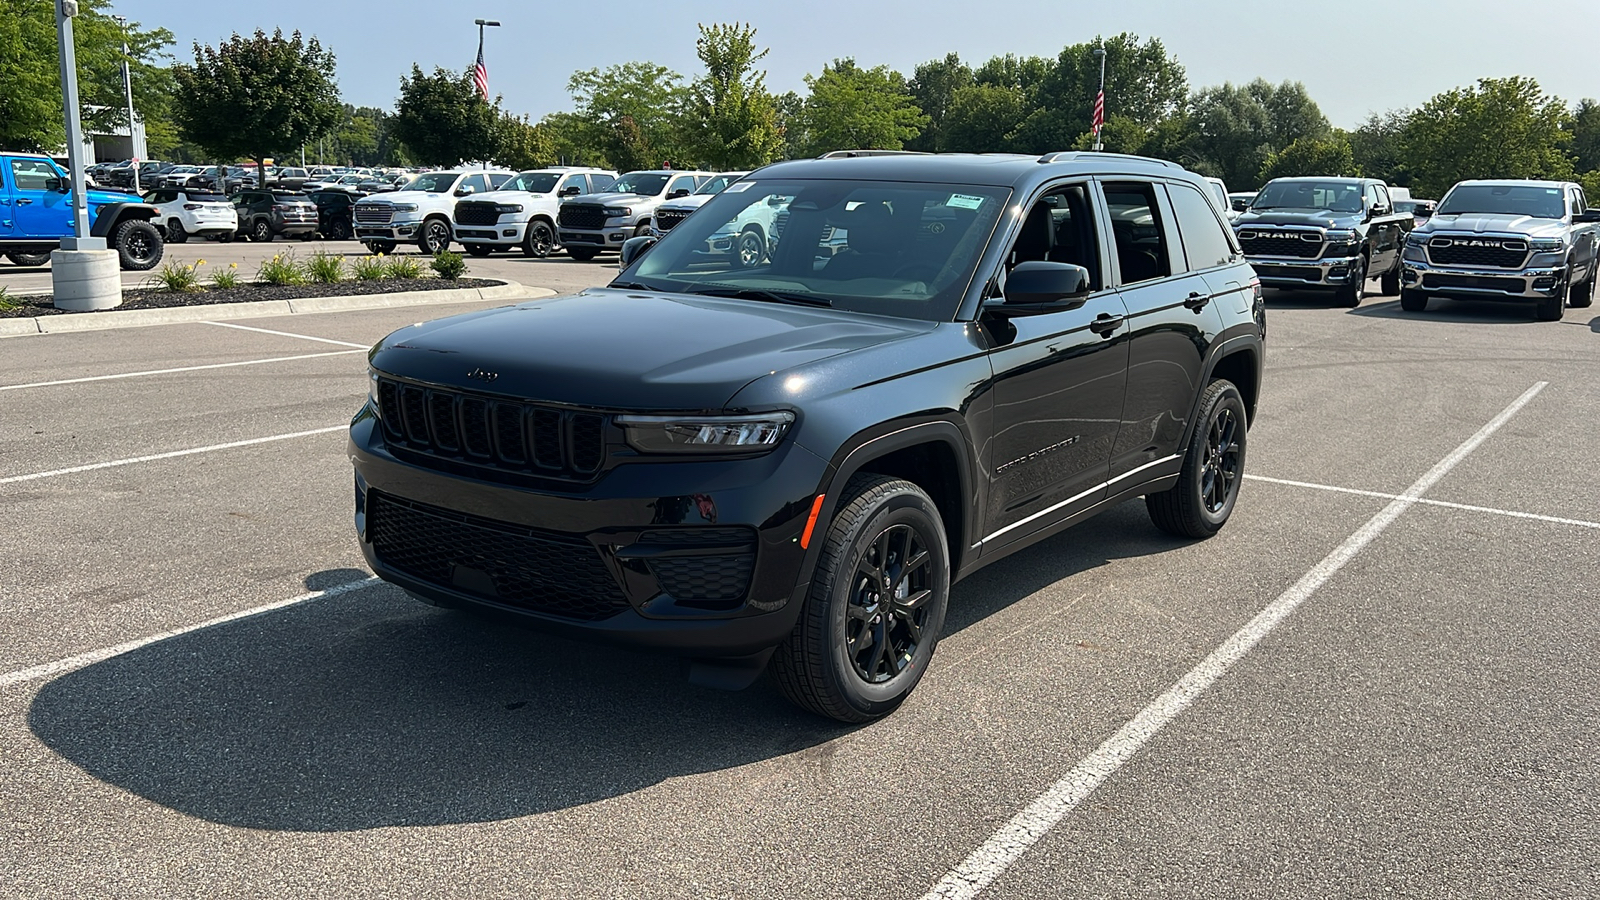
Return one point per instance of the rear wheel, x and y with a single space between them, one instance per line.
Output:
261 231
1413 300
28 259
540 242
1391 279
1583 297
138 245
175 232
479 249
1349 295
581 254
381 248
1213 469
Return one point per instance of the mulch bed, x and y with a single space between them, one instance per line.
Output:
151 298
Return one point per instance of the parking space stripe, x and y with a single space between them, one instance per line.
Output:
228 365
1538 517
67 664
290 334
13 479
1022 831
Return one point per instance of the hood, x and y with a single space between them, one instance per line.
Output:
1487 223
628 350
613 199
501 196
1308 218
686 204
422 197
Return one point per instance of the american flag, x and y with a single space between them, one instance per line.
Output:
1099 110
480 73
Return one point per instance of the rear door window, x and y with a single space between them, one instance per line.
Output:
601 181
1206 243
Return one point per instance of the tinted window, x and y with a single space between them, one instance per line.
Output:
1335 196
533 182
433 182
476 182
1136 229
31 174
601 182
1504 199
1205 240
498 178
1060 227
682 183
1381 195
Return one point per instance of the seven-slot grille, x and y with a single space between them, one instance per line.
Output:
557 574
582 215
1300 244
501 434
667 218
374 213
1471 250
471 212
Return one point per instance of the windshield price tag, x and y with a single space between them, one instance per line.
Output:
737 187
964 201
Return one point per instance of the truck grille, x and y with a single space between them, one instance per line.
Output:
373 213
1299 244
506 435
469 212
666 219
547 572
583 215
1494 253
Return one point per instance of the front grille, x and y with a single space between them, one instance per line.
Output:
582 215
506 435
718 580
666 219
1300 273
557 574
1495 253
1281 243
374 213
1441 281
469 212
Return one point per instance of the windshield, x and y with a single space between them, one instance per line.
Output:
890 248
1335 196
647 183
1505 200
534 182
433 182
718 182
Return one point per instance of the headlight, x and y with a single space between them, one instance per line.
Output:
1340 236
706 434
614 211
1415 240
405 207
1547 245
372 389
508 208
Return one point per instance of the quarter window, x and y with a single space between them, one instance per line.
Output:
1205 241
1136 229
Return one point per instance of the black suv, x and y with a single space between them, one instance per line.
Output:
334 209
1330 234
264 215
939 361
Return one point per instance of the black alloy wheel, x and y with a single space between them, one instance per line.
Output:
540 242
752 249
175 232
261 231
381 248
1213 468
339 230
435 238
138 244
888 605
1219 469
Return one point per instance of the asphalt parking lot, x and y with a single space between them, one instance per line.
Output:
1378 680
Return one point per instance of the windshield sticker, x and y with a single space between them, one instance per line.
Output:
964 201
737 187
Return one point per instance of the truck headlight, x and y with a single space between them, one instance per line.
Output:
614 211
1547 245
706 434
372 390
405 207
506 208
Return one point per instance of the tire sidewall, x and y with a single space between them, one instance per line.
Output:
152 236
1226 399
532 248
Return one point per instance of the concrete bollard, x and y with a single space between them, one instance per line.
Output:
86 279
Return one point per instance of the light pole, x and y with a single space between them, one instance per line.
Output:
83 273
127 87
65 10
1100 100
480 72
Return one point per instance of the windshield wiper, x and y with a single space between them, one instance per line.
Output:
768 296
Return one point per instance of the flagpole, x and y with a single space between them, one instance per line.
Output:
480 72
1101 98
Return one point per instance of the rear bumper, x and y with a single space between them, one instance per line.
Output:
1530 284
1296 273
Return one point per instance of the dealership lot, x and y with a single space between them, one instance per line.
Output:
1418 723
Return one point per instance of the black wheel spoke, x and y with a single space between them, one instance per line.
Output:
915 601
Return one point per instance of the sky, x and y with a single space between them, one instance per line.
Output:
1354 56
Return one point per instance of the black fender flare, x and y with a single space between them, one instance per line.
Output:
113 214
1221 349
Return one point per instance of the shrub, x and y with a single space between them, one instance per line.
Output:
280 269
227 278
368 268
325 268
179 279
448 266
6 300
403 267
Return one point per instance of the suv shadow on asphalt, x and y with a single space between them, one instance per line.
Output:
367 709
1440 310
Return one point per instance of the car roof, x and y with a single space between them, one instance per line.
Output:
997 169
1516 182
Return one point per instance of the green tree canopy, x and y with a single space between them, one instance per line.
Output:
256 96
982 118
851 108
522 146
1144 85
1312 156
735 118
1236 129
632 114
1586 135
443 120
1376 147
1500 128
933 86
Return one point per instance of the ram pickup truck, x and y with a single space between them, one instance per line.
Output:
522 213
1330 234
748 239
1520 241
421 212
35 214
592 225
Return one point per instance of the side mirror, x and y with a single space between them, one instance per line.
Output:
1587 217
1241 204
464 190
1043 287
633 248
571 190
1376 210
680 192
55 184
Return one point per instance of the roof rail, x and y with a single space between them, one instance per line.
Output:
1068 155
851 154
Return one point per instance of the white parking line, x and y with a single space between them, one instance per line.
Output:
228 365
1556 520
45 670
13 479
303 337
1007 845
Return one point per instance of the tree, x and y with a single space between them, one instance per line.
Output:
1501 128
735 119
256 96
568 137
632 113
520 145
982 118
1586 135
1236 129
1312 156
851 108
1144 85
792 125
1376 147
442 119
933 86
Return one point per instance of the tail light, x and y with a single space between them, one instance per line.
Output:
193 206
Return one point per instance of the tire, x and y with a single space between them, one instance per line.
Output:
1412 300
339 230
853 656
582 254
1213 468
1391 279
1583 297
435 237
138 245
1349 295
641 230
381 248
1551 309
751 249
175 233
261 231
20 258
540 241
479 250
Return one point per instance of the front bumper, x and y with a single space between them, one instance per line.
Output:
616 529
1529 284
1304 274
393 231
501 234
608 238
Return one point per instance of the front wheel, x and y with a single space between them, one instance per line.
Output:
876 606
1583 298
28 259
581 254
479 250
138 245
540 242
1349 295
752 248
435 237
381 248
1213 469
339 230
1413 300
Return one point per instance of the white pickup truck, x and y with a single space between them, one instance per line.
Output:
594 224
522 213
421 212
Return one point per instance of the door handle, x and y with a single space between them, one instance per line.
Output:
24 201
1197 301
1106 323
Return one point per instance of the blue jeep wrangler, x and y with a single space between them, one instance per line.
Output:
35 215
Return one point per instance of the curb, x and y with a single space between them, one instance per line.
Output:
129 318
